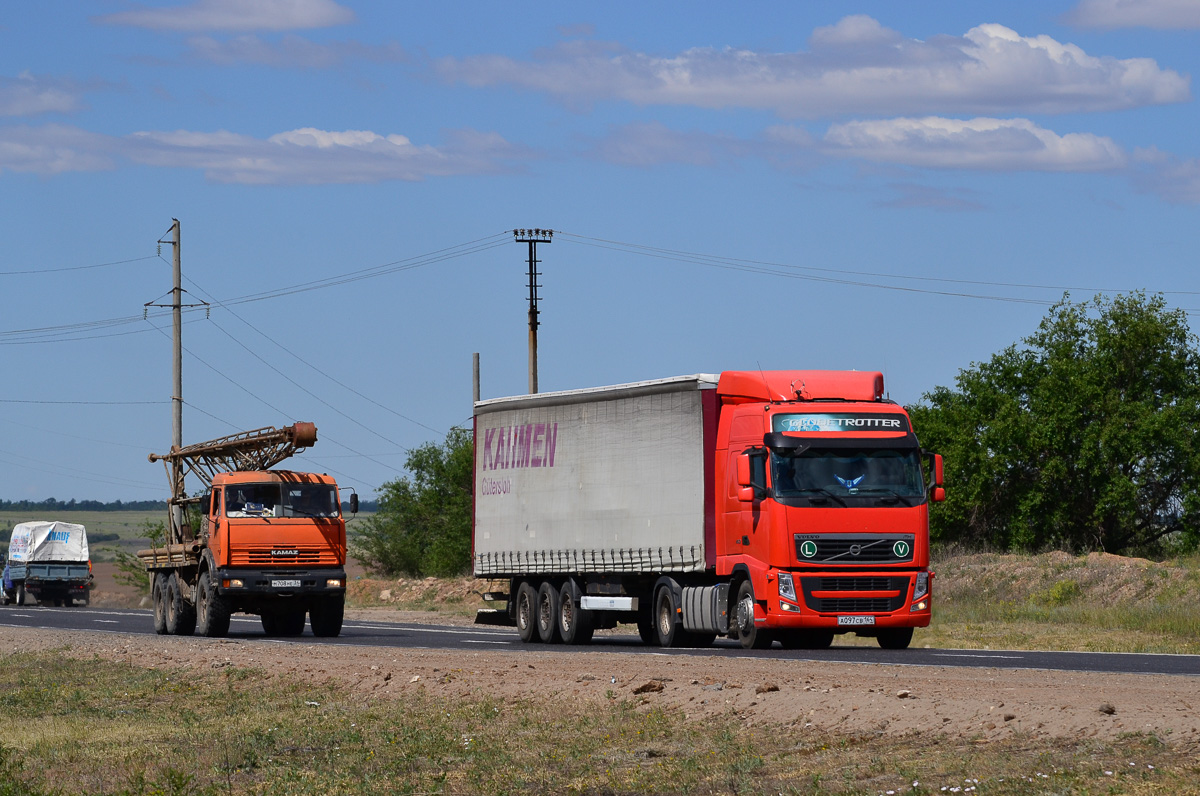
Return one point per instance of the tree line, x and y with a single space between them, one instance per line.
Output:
1082 436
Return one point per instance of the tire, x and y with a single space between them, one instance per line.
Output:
158 598
806 639
20 594
270 623
749 634
68 602
645 622
547 613
326 616
668 632
574 623
212 610
181 616
895 638
526 613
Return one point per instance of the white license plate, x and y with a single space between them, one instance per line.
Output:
856 620
295 584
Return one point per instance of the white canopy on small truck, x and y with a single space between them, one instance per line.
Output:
48 541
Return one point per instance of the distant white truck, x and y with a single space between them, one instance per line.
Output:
49 561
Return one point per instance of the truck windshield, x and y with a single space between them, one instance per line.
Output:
840 473
281 500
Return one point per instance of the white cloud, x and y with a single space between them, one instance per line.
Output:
303 156
236 15
54 149
29 95
654 144
854 67
1174 179
978 144
1111 14
289 52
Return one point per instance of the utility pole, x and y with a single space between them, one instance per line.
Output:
533 237
177 306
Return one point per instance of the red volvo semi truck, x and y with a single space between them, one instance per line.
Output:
778 506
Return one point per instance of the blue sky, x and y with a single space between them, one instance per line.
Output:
894 186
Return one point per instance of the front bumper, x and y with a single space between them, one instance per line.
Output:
280 582
823 598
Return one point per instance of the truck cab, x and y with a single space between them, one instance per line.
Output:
826 508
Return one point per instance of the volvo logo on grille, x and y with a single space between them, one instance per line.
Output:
284 552
855 549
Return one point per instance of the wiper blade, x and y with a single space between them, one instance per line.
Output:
822 491
889 492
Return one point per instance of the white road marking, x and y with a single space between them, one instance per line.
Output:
107 621
1005 657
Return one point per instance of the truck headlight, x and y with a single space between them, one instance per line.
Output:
787 587
333 583
922 586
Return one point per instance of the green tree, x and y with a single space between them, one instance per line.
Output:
1083 437
423 526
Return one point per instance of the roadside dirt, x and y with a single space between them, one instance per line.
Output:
978 704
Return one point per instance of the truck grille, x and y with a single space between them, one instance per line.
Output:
301 558
815 548
816 590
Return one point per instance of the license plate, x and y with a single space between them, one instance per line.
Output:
856 620
295 584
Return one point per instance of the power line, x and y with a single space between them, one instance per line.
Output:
812 273
78 267
269 405
308 364
80 403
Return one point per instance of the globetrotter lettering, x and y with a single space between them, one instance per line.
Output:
519 446
829 422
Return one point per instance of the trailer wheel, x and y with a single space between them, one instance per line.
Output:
547 613
212 610
895 638
326 616
181 617
806 639
574 623
749 634
158 599
527 598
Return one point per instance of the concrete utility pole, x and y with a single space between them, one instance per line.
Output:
177 306
474 379
533 237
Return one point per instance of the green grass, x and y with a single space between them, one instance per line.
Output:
93 726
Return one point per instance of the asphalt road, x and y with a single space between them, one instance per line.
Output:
421 636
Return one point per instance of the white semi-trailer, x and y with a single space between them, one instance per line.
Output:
785 505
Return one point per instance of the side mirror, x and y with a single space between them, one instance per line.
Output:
939 494
937 469
743 470
353 502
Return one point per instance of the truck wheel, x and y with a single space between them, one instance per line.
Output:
326 617
20 594
806 639
668 632
574 623
68 602
895 638
547 613
181 617
158 598
212 610
527 613
749 634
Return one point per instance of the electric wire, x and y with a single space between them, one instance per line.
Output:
78 267
71 472
268 404
218 303
811 273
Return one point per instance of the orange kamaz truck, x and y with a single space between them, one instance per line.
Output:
778 506
268 542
